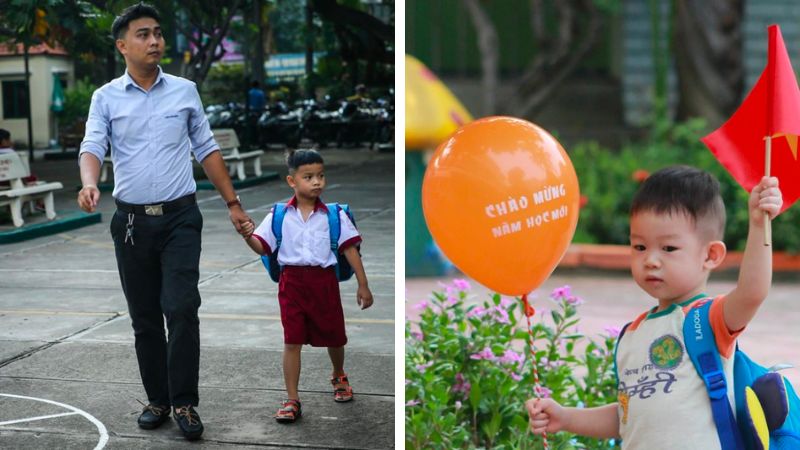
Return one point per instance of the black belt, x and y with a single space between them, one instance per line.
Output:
157 209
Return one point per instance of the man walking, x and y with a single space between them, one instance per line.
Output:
152 120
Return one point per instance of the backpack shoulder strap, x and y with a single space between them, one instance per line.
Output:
616 347
702 349
334 226
278 213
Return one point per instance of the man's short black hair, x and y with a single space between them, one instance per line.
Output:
684 190
4 135
131 13
301 157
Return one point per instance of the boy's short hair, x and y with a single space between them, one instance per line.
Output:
301 157
131 13
4 135
684 190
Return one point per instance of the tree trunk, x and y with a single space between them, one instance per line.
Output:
490 54
556 58
258 50
708 56
210 51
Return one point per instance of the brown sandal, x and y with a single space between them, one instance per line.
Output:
343 393
289 412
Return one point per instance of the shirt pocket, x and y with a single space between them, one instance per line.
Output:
172 128
322 245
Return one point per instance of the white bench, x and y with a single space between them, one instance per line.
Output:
13 169
228 143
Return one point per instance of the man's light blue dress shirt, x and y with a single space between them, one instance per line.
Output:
151 134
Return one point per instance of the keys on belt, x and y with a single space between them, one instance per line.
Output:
129 228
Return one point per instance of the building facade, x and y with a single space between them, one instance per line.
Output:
44 62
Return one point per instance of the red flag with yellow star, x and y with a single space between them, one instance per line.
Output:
772 108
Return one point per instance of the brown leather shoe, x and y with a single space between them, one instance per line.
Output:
153 416
189 422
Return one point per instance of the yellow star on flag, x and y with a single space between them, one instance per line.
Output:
791 139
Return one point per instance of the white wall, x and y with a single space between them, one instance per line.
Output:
41 69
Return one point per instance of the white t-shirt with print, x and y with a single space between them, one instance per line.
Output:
663 402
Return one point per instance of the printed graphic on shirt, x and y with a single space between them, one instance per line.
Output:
646 386
623 399
666 352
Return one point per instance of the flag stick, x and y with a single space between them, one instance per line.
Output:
767 222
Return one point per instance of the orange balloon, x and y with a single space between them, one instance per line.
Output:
500 197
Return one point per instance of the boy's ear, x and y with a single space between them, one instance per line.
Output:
715 254
290 181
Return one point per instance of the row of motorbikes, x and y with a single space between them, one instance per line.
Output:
352 122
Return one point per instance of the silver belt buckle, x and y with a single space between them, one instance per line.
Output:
154 210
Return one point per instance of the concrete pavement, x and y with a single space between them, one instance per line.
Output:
68 372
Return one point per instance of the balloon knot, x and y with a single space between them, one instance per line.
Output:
529 311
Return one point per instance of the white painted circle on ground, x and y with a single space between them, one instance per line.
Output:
100 427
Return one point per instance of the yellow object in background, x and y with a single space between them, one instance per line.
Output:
432 111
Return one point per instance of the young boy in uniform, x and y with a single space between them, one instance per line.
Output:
308 291
676 224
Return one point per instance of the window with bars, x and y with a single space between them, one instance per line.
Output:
15 99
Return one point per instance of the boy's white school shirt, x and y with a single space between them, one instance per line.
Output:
306 243
663 402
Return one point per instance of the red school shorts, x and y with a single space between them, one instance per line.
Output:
311 307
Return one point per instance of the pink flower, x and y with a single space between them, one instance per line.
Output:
476 312
556 364
421 305
423 367
506 302
543 392
510 356
417 335
461 284
515 376
486 354
574 300
612 331
501 315
451 301
412 403
561 292
461 385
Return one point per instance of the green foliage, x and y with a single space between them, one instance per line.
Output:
77 100
225 83
466 385
608 181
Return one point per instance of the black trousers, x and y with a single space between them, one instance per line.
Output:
159 270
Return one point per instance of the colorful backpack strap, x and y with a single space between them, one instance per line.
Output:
702 349
334 226
271 261
278 213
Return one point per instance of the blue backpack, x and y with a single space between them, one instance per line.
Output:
343 270
767 406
